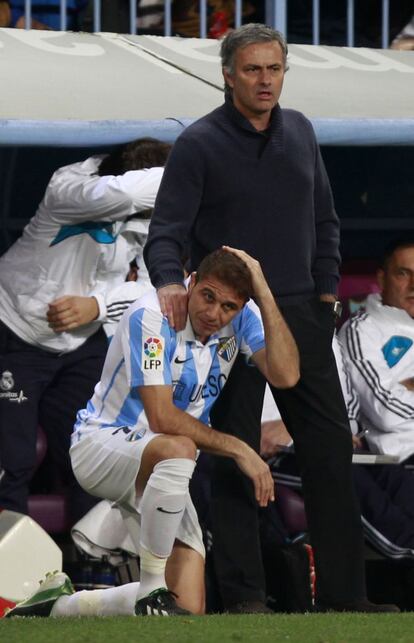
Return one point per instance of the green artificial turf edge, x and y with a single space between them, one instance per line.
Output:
309 628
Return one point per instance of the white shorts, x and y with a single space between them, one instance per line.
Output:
107 465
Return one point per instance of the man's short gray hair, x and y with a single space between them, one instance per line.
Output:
249 34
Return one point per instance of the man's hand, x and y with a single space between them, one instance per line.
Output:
34 24
71 311
405 43
357 442
259 282
258 471
174 302
273 435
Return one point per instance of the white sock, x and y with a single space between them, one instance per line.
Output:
162 508
113 601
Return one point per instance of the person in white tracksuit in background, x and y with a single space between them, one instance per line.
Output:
379 353
55 287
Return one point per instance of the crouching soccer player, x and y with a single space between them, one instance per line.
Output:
136 442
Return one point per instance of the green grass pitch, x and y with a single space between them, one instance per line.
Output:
307 628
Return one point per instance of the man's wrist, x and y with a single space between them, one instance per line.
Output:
166 278
328 297
102 310
235 447
172 283
263 296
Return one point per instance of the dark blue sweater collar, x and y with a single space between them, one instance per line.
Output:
274 131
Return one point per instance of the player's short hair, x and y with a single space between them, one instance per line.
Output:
249 34
407 241
137 155
228 269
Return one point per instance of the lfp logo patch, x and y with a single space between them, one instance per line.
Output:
153 353
152 347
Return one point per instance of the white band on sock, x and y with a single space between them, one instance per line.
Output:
172 476
163 504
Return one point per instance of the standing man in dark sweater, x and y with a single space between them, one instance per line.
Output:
250 175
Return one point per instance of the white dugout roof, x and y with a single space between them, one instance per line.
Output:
75 89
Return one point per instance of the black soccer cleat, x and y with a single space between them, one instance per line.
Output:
160 602
364 606
249 607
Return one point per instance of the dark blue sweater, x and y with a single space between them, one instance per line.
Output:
266 193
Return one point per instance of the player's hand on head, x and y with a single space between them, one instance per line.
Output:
259 282
174 303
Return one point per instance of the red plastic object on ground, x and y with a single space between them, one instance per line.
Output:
4 604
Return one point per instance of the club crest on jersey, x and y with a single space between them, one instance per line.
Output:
153 354
227 348
395 349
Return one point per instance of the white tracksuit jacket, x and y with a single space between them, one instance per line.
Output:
379 353
78 243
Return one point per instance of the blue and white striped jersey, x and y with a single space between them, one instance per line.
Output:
146 351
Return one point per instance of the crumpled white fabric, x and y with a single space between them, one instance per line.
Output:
103 532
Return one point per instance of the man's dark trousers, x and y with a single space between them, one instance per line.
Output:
53 388
315 415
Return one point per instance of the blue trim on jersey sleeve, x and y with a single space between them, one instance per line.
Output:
169 336
135 344
172 344
249 330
